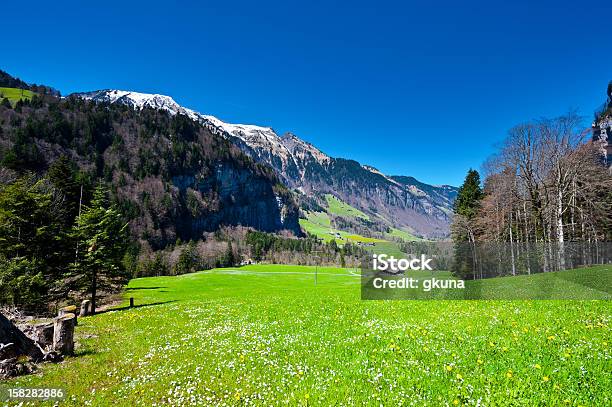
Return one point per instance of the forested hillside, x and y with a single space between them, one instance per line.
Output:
72 172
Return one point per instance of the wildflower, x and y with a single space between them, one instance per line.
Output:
567 401
479 361
449 368
551 337
491 344
509 374
545 378
456 402
306 396
537 366
505 349
459 377
237 396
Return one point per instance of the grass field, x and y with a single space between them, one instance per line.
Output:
340 208
14 94
404 235
318 224
267 335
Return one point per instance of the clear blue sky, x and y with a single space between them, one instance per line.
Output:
413 88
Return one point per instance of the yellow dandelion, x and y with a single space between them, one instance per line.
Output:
556 387
537 366
491 344
237 396
449 368
566 354
505 349
525 330
551 337
456 402
300 373
509 374
306 396
479 361
459 377
545 378
567 401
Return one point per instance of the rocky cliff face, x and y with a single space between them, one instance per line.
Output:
172 176
602 128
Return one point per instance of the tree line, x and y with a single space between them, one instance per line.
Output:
546 190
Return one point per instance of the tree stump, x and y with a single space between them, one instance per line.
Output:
85 308
71 309
22 345
63 334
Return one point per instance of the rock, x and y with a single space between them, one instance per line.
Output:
8 351
63 334
42 333
71 309
85 308
8 368
53 357
12 367
23 346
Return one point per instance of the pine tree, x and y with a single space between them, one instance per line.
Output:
466 208
102 238
32 242
63 177
469 196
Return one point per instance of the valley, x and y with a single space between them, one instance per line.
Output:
267 335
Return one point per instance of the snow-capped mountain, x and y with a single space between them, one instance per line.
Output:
400 201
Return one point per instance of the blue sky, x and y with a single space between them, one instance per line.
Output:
414 88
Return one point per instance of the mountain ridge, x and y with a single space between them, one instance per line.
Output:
425 209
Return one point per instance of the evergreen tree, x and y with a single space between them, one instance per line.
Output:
466 208
32 242
102 238
63 177
469 196
229 258
188 260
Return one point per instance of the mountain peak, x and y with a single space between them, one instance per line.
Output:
138 100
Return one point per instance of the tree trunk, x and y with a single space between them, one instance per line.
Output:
560 235
512 247
94 282
63 334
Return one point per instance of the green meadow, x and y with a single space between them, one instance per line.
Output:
268 335
14 94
